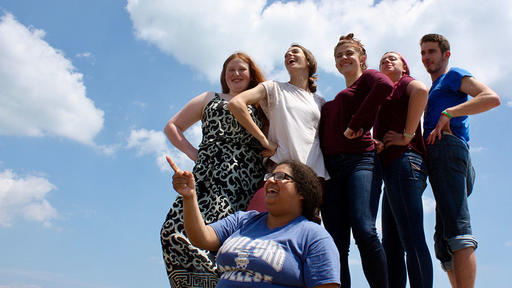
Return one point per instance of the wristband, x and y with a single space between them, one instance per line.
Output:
447 114
408 135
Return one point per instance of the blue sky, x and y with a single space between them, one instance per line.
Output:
87 86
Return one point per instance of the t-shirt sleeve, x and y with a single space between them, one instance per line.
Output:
454 78
227 226
269 102
321 260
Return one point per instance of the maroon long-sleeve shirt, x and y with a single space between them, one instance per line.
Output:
392 116
355 107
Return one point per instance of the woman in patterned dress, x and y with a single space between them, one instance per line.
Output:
228 169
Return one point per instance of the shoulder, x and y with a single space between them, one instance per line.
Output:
458 72
374 76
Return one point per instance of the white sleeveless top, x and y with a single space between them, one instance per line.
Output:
294 116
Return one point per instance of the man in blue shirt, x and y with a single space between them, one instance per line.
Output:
451 174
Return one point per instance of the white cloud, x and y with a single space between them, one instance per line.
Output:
25 197
155 143
509 103
203 38
429 205
40 91
508 244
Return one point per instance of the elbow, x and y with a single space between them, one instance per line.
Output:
497 101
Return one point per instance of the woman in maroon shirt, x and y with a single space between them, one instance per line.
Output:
352 194
402 150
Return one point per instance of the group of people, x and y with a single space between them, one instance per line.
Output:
274 156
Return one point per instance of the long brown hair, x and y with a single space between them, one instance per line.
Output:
254 70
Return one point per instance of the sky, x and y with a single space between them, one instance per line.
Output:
86 88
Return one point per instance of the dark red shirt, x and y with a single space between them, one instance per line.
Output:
392 116
355 107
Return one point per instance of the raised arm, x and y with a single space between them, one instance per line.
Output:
484 99
417 102
199 234
238 107
186 117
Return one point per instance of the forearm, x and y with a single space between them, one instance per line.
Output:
480 103
200 235
239 109
178 139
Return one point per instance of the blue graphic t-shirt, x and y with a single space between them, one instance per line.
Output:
299 254
443 94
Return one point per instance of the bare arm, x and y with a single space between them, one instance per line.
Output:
186 117
238 107
484 99
200 235
417 102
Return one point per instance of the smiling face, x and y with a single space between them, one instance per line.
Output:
295 59
435 61
348 60
392 65
237 76
281 196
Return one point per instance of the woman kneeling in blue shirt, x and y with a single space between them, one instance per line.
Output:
279 248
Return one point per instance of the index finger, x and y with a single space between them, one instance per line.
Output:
173 165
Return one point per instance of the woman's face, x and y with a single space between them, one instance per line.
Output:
281 196
238 76
348 60
294 59
391 64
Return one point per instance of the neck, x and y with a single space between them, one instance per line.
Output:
279 221
300 80
350 79
438 74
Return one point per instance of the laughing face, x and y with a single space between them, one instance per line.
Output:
348 60
238 76
281 195
295 58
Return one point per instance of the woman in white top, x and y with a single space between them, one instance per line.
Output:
293 111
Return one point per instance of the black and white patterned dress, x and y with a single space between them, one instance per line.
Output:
228 170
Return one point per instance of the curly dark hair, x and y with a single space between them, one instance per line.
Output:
308 186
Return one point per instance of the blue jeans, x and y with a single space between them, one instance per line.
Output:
452 176
351 200
402 221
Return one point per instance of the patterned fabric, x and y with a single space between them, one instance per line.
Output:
228 170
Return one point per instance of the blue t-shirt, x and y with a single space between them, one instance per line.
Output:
443 94
299 254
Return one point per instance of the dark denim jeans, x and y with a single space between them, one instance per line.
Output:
402 221
451 175
351 200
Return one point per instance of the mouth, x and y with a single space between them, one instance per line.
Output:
271 192
291 61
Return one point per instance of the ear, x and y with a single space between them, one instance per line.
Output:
447 54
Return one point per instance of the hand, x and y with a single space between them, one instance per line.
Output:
182 181
350 134
393 138
442 125
379 146
270 149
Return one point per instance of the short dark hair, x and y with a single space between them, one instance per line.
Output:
308 186
444 45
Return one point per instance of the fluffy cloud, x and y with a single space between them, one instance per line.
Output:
203 37
155 143
25 198
40 91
